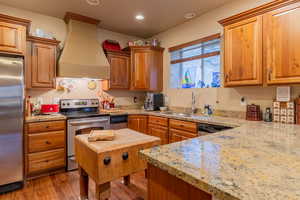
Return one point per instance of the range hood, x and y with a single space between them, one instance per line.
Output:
82 56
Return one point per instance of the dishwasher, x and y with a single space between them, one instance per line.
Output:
118 121
206 129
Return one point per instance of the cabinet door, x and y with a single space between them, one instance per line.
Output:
143 124
119 72
138 123
243 53
159 131
133 123
43 66
12 38
281 45
140 69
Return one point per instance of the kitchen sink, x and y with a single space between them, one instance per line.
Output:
184 114
178 114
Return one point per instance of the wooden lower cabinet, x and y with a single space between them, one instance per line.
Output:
45 147
46 141
183 125
163 186
45 161
138 123
179 135
158 127
182 130
159 131
168 130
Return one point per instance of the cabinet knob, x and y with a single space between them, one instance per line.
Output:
107 160
47 126
125 156
47 142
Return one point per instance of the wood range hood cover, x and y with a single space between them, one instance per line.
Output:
83 56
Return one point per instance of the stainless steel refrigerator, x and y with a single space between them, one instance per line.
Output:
11 122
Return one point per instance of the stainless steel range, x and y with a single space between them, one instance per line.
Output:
82 116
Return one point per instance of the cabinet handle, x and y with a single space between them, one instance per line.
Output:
107 160
125 156
270 74
226 77
47 142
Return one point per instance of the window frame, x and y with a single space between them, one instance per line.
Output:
197 57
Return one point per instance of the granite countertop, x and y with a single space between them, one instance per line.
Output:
254 161
43 118
233 122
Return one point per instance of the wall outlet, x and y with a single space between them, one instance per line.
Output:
243 101
56 100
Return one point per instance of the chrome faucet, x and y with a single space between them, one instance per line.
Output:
193 103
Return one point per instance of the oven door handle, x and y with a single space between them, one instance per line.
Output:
88 122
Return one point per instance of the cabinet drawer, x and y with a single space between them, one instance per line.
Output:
184 134
46 126
183 125
43 161
159 131
46 141
158 120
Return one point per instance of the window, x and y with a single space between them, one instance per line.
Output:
196 64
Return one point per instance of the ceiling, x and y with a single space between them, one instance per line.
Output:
119 15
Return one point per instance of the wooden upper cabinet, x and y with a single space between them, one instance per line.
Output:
13 34
12 38
140 71
262 45
282 42
243 53
119 71
41 63
146 68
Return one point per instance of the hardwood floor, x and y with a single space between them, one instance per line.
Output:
65 186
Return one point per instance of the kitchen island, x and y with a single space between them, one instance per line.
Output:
255 161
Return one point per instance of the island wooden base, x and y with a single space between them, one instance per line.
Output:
163 186
102 190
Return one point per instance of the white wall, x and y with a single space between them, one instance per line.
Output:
205 25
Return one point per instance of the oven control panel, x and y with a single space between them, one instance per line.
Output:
78 103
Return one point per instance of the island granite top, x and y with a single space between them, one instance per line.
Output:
255 161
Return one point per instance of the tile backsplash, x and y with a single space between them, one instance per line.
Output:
77 88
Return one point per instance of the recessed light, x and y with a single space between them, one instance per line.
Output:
93 2
190 15
140 17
